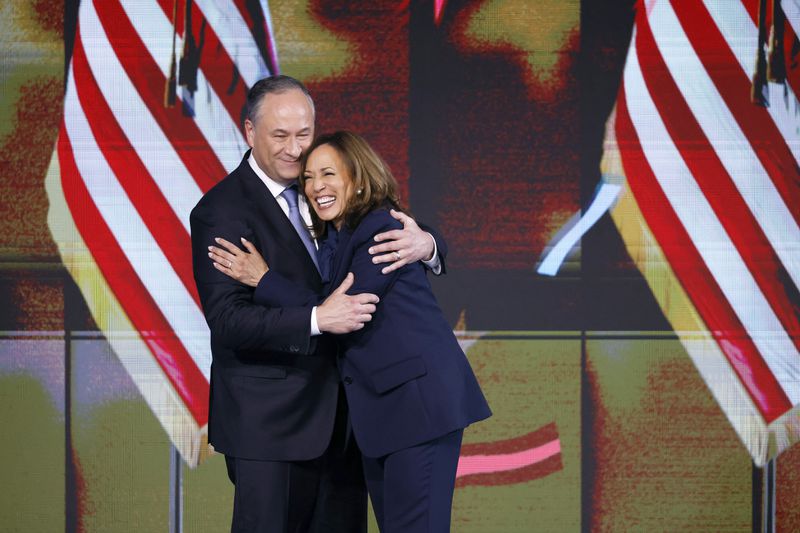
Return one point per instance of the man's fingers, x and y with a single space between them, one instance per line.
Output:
367 308
399 215
394 266
365 298
386 258
390 246
391 235
347 282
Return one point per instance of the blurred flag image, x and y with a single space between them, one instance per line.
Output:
155 93
705 138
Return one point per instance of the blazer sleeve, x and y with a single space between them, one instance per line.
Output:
274 290
234 319
368 275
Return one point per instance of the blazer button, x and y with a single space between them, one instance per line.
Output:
348 380
294 349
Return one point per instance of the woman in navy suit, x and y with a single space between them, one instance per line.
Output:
410 389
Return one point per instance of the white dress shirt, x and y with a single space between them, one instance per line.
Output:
276 189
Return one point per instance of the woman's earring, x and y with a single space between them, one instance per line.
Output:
359 191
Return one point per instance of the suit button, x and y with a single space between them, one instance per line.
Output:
294 349
348 380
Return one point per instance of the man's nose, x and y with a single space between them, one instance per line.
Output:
293 148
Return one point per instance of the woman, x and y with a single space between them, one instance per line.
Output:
409 387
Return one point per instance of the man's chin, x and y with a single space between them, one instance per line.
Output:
290 172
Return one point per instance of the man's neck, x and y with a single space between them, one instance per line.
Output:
276 186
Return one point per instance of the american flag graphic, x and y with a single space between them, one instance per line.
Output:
706 139
153 105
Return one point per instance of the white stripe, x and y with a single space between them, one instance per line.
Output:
709 236
603 199
728 140
236 38
146 137
134 239
271 36
741 34
791 8
211 116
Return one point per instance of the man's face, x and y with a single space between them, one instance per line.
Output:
283 129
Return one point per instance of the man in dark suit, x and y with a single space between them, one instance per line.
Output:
276 409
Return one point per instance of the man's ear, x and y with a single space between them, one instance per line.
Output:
249 131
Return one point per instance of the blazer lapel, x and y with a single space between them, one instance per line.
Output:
273 214
339 258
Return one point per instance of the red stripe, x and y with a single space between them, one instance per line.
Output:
719 189
534 439
217 66
153 208
538 470
179 367
751 6
187 140
267 52
690 269
734 86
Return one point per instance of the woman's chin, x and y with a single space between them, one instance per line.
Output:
329 217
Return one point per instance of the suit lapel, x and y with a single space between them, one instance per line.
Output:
343 252
273 214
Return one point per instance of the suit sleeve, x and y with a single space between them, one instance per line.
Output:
234 319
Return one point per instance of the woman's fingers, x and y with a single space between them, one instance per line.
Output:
249 245
229 246
221 256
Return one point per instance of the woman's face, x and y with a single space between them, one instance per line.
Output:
328 185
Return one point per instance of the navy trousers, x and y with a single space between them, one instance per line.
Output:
324 495
412 489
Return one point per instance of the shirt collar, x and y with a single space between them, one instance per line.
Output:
274 187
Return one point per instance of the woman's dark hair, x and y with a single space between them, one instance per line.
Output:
374 185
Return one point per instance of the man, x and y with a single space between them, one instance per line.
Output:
276 411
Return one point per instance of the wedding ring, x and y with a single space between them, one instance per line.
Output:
396 256
230 263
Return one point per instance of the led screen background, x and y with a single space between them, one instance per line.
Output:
492 117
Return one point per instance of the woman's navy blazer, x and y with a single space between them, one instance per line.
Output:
406 378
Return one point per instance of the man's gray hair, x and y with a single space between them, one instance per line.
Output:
272 85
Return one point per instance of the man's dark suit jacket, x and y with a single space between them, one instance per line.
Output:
406 378
273 387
